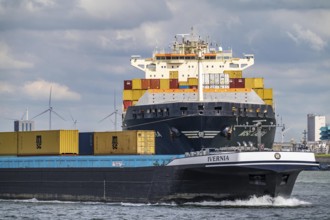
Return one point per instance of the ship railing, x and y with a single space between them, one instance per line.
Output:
232 149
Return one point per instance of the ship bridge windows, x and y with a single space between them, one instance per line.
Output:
151 67
210 57
249 56
189 57
160 58
233 65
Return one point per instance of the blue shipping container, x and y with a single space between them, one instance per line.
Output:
86 143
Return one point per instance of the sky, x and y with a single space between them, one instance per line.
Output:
82 48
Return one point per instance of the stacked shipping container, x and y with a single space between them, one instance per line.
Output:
64 142
8 143
257 84
54 142
134 89
124 142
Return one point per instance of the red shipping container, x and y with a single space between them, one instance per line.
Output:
127 84
127 103
240 83
145 83
154 83
237 83
174 83
231 83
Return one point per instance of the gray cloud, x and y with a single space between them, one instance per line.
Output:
83 47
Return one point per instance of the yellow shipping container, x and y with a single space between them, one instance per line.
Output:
127 94
8 143
234 74
254 83
260 92
183 83
268 93
52 142
268 101
124 142
192 81
164 83
137 94
174 74
136 84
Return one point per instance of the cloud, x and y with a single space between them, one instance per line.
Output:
8 61
36 5
5 87
301 36
40 90
82 48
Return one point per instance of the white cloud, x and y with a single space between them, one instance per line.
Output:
301 36
6 87
8 61
87 44
40 90
37 5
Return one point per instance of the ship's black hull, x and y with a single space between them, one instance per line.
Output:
148 184
180 131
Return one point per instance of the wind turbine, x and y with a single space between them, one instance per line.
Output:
26 114
74 121
115 112
50 110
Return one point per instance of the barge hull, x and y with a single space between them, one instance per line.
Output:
146 184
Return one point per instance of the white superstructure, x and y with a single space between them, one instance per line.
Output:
184 59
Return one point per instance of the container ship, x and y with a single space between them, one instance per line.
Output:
193 130
195 97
